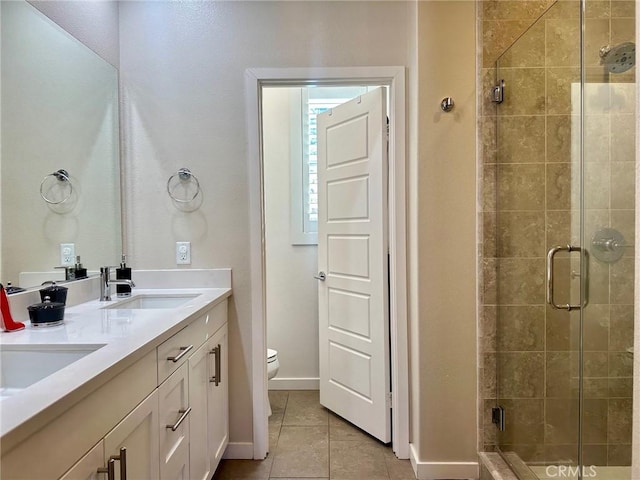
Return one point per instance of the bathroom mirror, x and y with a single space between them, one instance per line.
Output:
59 111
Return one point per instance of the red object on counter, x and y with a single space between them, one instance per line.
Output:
6 320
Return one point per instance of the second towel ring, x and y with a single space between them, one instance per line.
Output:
183 175
62 176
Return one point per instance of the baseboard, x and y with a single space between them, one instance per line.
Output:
239 451
440 470
294 384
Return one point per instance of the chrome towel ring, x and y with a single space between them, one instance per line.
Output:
62 176
182 176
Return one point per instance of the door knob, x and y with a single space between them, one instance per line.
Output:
320 276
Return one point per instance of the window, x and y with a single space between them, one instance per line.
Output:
307 103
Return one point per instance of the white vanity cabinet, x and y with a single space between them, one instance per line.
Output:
88 466
168 411
218 396
137 434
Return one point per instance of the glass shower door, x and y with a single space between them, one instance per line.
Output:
564 228
538 195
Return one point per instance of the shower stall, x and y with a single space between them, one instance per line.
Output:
558 244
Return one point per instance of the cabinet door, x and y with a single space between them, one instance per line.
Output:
218 396
199 457
138 433
174 425
87 467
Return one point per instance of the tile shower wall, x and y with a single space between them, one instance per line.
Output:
527 207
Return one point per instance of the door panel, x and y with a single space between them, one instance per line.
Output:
352 250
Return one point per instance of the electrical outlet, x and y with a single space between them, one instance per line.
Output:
183 253
67 254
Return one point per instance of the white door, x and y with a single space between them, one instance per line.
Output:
352 257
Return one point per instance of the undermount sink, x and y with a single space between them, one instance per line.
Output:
24 365
155 301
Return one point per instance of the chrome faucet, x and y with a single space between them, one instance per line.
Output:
106 282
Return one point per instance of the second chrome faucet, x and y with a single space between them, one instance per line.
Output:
106 282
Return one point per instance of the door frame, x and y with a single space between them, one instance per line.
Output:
394 78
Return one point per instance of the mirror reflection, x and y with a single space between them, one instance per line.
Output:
59 104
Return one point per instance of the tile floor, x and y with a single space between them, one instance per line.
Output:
306 441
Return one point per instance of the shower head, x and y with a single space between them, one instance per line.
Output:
619 58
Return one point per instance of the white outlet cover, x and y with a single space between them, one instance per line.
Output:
67 254
183 253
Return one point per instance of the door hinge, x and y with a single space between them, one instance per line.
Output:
497 93
389 400
498 417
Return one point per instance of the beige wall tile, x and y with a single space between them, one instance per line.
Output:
521 281
621 335
520 187
623 8
520 328
623 139
594 424
526 51
559 80
524 91
520 234
562 421
558 138
524 421
559 194
596 327
562 42
521 374
622 280
620 413
619 454
520 139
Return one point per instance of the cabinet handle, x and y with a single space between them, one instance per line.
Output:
110 469
180 420
111 465
216 351
184 351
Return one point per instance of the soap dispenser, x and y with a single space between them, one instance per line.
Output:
81 272
123 273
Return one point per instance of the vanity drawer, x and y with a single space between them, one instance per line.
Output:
216 318
175 351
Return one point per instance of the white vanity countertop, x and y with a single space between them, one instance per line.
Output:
127 335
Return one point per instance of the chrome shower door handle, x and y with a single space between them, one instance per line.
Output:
550 257
320 276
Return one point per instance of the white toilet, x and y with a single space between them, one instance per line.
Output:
273 365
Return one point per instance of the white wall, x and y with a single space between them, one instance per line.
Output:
94 23
291 290
182 70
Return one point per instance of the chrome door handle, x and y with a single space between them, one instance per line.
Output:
320 276
550 256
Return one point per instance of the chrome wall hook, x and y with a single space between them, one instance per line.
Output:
447 104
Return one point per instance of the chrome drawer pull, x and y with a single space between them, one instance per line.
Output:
216 351
184 351
111 465
110 469
180 420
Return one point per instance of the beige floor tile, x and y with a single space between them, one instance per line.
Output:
278 400
340 429
302 451
244 469
398 469
303 408
356 460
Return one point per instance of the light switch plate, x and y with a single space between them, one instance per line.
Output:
183 253
67 254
